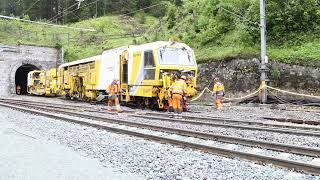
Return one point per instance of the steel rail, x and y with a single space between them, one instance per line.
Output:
227 139
229 120
276 130
226 125
57 105
297 121
28 101
224 120
297 166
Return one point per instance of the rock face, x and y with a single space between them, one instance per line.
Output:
243 76
17 60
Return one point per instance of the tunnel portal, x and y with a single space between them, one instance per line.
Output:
21 77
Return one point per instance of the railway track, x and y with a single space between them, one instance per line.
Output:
197 120
297 121
117 125
228 122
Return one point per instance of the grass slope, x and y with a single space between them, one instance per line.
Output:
110 30
109 33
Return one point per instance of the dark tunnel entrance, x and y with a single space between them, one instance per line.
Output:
21 77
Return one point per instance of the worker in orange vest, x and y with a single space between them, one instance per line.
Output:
178 91
113 91
170 100
18 89
218 92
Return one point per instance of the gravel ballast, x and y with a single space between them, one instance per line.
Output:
135 155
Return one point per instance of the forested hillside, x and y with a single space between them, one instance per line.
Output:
68 11
216 29
220 28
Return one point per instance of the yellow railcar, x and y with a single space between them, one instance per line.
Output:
36 82
143 71
80 79
51 82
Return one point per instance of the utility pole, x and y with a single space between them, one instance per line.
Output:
263 67
65 15
96 15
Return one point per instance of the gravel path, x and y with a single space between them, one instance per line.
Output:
149 159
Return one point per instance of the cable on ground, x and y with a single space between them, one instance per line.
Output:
255 92
293 93
229 99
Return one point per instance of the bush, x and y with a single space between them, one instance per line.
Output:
141 17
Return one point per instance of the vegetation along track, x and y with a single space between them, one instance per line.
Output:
108 124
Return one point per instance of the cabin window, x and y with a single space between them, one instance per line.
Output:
176 56
149 66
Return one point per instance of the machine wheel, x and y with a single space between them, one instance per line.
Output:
154 104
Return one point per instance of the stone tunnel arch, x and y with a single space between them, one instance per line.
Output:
12 57
21 76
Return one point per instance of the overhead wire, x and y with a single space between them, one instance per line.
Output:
43 23
240 16
150 29
82 29
63 12
148 7
30 7
58 16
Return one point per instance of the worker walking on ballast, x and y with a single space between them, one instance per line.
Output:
178 91
218 91
113 91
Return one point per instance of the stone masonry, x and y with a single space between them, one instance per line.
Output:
14 56
242 76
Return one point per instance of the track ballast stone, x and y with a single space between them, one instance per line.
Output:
135 155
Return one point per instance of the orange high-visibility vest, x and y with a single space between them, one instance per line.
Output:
179 87
112 88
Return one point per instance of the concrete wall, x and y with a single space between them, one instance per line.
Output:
242 76
14 56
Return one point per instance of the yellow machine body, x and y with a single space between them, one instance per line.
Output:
144 72
51 85
36 82
79 79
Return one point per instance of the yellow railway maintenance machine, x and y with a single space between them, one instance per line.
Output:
36 82
143 71
51 85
